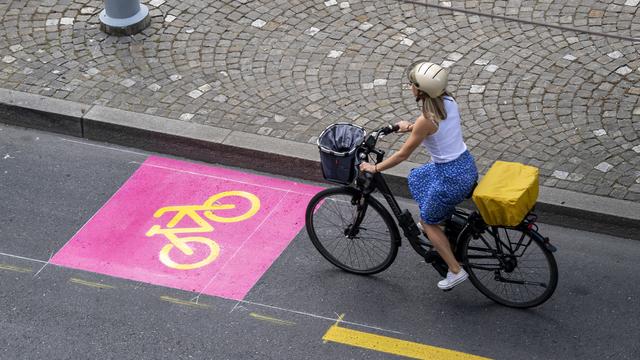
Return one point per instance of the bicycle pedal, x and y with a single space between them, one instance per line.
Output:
440 267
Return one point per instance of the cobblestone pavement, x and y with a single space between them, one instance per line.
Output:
563 100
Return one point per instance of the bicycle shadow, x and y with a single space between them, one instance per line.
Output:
470 305
381 282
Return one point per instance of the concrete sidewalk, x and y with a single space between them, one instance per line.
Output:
254 83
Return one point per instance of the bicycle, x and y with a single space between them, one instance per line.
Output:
365 239
209 208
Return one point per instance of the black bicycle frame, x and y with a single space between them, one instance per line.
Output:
404 218
368 183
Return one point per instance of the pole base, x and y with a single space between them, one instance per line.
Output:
128 26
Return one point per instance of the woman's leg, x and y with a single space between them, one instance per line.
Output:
441 243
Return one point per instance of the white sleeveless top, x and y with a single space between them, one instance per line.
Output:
446 144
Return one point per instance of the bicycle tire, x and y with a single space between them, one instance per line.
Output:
384 251
499 294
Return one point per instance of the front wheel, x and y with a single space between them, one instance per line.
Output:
354 233
510 267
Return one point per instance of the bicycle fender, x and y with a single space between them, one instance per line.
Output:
466 231
544 241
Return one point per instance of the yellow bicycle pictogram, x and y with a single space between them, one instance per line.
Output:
212 209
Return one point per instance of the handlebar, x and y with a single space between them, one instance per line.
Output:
368 146
386 130
369 143
391 129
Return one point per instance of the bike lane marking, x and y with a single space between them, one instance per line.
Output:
391 345
15 268
183 302
271 320
93 284
235 225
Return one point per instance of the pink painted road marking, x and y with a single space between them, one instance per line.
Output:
228 257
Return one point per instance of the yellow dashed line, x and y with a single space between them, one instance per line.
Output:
91 284
391 345
271 320
182 302
14 268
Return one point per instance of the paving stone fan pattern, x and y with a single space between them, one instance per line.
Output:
565 101
615 17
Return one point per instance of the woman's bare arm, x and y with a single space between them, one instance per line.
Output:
422 128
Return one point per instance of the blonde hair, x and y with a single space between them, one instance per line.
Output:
433 106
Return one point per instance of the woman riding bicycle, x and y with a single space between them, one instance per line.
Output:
440 185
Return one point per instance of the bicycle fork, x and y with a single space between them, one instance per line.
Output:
361 210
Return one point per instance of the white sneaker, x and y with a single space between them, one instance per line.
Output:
453 279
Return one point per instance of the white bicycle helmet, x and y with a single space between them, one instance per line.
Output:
430 78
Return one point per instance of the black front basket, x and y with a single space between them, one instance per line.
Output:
338 144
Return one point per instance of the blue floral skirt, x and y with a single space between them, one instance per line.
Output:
439 187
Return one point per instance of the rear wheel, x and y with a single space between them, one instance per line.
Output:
365 245
509 267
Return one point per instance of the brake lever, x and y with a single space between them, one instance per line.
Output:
388 130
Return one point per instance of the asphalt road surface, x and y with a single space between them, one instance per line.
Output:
52 186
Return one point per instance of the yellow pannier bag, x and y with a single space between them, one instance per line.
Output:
506 193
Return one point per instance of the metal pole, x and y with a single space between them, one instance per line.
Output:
124 17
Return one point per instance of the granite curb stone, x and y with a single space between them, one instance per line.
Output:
41 112
263 153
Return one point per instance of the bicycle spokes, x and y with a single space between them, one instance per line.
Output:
351 232
509 266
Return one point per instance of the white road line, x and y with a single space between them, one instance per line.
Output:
220 177
24 258
243 243
43 266
97 212
103 147
252 303
174 169
331 319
